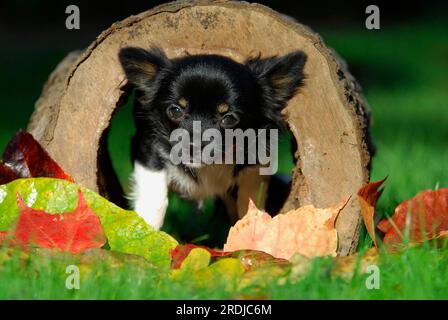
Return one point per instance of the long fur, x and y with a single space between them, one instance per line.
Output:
252 95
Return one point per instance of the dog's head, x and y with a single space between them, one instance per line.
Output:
214 90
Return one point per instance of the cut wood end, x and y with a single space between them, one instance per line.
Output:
87 90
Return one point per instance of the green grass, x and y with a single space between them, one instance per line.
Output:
403 72
418 273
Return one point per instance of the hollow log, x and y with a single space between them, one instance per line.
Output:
329 118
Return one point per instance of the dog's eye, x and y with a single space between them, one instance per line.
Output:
230 120
174 112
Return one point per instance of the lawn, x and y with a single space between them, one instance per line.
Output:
403 72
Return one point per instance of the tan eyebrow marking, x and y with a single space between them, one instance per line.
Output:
183 102
223 108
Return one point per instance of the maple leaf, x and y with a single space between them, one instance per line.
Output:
24 157
423 217
307 230
73 231
368 197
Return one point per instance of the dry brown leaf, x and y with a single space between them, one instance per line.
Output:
308 231
368 197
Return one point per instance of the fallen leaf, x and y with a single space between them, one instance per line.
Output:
73 231
252 259
181 252
368 197
6 173
307 230
197 258
198 271
125 230
423 217
24 157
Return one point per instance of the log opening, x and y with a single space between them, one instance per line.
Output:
329 118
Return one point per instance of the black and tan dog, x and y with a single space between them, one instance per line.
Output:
220 94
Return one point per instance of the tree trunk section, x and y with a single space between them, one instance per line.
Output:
329 118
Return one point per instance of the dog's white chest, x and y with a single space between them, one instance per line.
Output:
211 181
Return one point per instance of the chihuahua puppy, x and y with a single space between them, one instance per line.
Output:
219 94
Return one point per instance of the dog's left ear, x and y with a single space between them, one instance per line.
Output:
279 77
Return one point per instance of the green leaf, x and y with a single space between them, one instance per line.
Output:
125 230
196 271
197 259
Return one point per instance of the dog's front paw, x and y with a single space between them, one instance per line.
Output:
152 210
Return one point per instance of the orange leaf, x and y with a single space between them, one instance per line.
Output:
425 216
307 230
368 197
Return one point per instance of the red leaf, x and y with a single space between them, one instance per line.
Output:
181 251
428 218
368 197
7 174
24 157
71 231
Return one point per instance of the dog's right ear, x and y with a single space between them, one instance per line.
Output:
141 66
